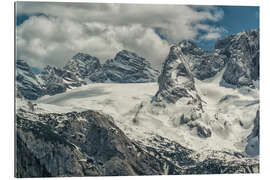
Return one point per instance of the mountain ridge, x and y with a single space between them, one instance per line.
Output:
93 119
126 67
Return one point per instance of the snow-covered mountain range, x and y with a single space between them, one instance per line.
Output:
199 115
126 67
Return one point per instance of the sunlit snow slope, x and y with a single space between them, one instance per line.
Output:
230 112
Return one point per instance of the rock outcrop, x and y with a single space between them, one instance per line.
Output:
57 80
177 86
80 144
126 67
83 65
253 146
27 83
90 144
177 81
243 53
203 64
238 53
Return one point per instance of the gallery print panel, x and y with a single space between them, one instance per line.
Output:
136 89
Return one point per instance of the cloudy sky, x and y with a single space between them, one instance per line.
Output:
51 33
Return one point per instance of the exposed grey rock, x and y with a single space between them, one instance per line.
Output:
89 144
51 81
238 52
253 146
53 84
188 116
204 132
208 162
101 149
203 64
83 65
227 98
57 80
176 80
126 67
242 50
27 83
27 165
218 166
176 83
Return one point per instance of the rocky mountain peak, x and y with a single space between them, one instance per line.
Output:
126 53
21 64
129 56
203 64
27 83
48 70
242 51
83 65
176 80
131 59
83 57
240 41
126 67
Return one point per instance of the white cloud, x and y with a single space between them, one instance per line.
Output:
210 36
212 33
104 29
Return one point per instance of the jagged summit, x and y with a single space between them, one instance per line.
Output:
176 80
27 83
249 34
21 64
125 55
83 65
242 51
203 64
126 67
238 52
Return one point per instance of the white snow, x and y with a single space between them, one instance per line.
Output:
130 106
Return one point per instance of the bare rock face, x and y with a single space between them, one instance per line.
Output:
203 64
126 67
83 65
177 86
242 50
57 80
176 80
238 53
50 81
80 144
253 146
89 144
27 83
53 84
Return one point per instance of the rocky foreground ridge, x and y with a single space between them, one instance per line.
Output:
90 144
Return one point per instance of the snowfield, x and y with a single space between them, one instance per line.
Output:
229 112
